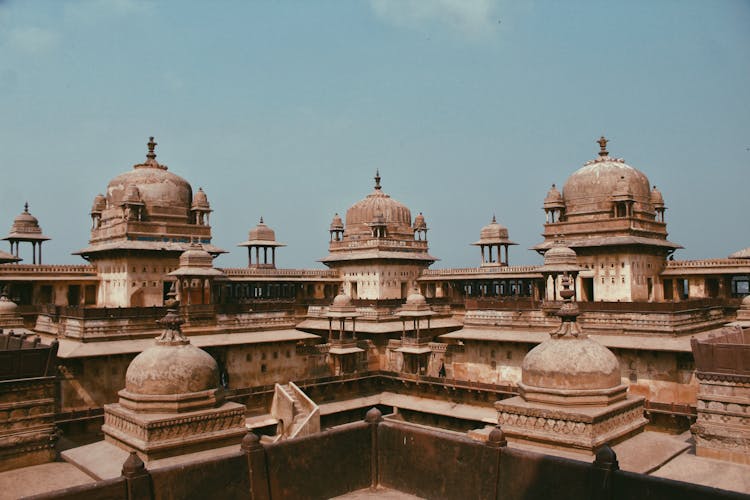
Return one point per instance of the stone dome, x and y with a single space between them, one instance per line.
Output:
554 198
7 306
25 223
200 200
100 203
493 231
416 300
591 187
419 222
376 204
342 307
571 363
337 224
342 300
132 194
196 256
170 370
560 258
657 200
261 232
156 186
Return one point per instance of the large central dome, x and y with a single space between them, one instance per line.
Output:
153 184
591 187
379 208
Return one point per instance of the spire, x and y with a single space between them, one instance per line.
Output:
261 220
172 334
377 180
603 146
26 207
494 220
151 146
569 311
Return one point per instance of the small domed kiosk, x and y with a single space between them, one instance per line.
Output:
172 404
571 394
261 238
494 238
26 228
343 350
415 342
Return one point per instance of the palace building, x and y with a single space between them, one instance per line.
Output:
294 351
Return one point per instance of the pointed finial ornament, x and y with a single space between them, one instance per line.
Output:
151 146
26 207
603 146
494 220
261 220
377 179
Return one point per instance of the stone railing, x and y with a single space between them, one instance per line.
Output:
681 264
282 273
479 271
47 269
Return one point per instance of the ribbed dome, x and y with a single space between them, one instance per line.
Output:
157 187
560 259
419 222
337 224
200 200
25 223
172 369
197 257
100 203
554 198
656 198
376 204
571 363
493 231
261 232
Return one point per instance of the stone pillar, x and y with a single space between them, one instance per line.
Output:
374 417
604 466
137 478
256 467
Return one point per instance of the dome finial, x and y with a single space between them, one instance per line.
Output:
603 146
26 207
494 219
377 179
151 146
261 220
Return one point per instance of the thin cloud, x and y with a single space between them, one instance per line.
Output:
471 18
33 39
94 10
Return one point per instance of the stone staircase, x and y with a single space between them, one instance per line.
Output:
296 413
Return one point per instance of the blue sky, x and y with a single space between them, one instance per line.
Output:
285 110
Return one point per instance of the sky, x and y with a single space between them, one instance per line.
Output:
285 109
